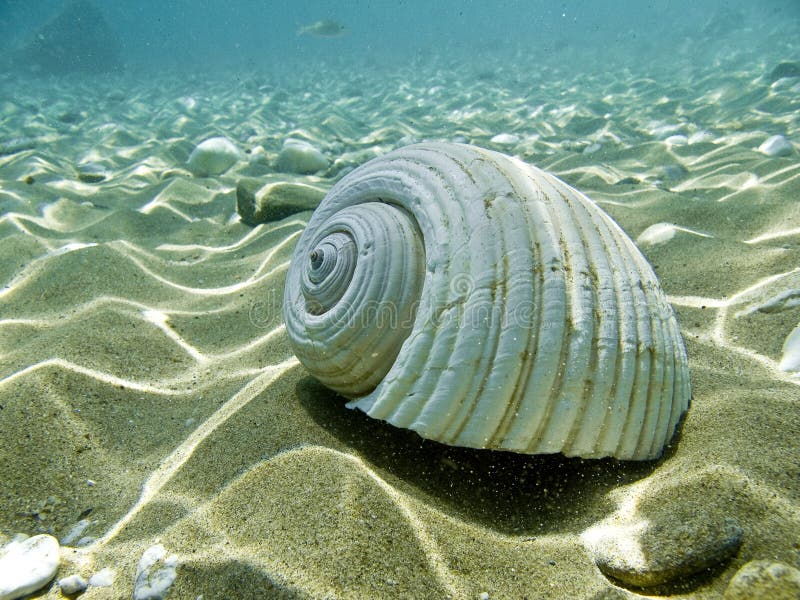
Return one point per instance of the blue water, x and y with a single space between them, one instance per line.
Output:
246 34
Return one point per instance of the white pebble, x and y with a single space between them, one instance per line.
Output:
188 102
663 232
26 565
155 574
677 140
483 596
790 361
258 156
74 584
777 145
103 578
698 137
591 149
662 131
298 156
213 156
505 139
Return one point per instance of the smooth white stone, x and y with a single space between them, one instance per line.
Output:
258 156
790 361
298 156
155 574
657 234
26 565
505 139
188 102
663 131
698 137
777 145
663 232
677 140
103 578
592 148
214 156
74 584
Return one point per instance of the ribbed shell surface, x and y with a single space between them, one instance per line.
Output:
512 312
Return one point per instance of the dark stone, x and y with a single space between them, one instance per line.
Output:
71 116
784 69
92 173
257 203
77 40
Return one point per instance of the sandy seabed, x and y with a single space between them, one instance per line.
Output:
148 390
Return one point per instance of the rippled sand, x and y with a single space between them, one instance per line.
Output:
147 385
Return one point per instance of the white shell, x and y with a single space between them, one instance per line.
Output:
482 302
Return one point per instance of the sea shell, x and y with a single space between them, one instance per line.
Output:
482 302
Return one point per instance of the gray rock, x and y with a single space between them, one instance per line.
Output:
257 203
764 579
72 585
673 548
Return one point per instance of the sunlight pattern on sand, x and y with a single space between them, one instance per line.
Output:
142 347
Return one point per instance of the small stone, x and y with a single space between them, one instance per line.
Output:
777 145
677 140
615 594
483 596
76 532
72 585
645 553
213 156
92 173
664 232
26 565
505 139
790 359
784 69
298 156
71 116
699 137
257 203
764 579
662 131
155 574
103 578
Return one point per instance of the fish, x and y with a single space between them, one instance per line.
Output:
325 28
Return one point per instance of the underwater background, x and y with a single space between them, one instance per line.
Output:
153 417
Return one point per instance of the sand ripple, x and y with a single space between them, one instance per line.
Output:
146 382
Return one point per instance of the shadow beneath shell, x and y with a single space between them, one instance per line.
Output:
510 493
